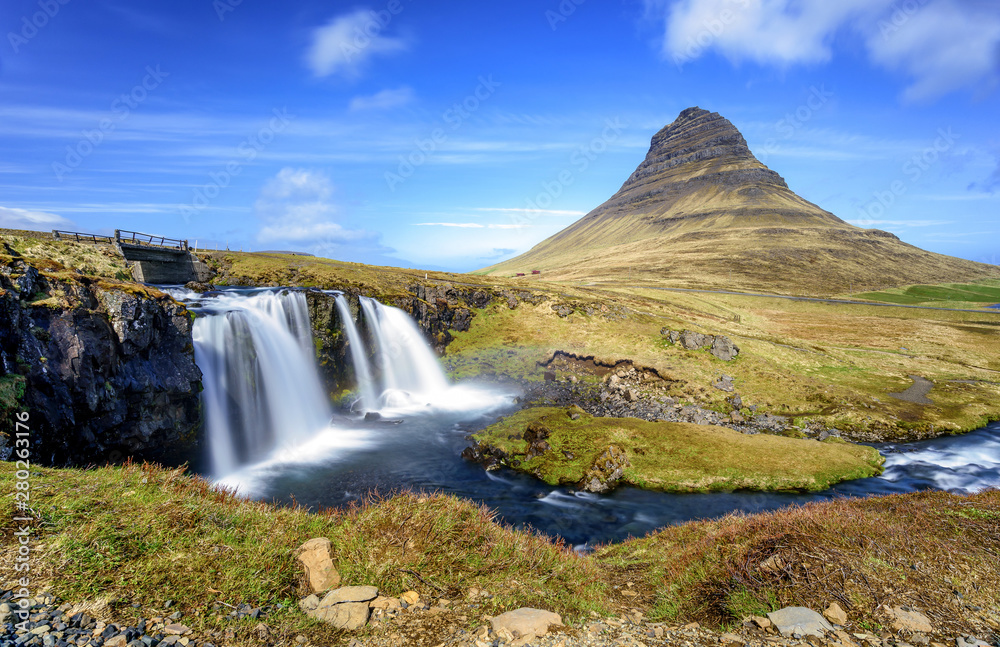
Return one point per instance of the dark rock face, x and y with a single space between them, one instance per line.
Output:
107 370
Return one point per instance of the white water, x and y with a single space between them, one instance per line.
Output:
362 371
262 390
411 375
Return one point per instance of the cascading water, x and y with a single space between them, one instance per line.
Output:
410 371
261 386
362 370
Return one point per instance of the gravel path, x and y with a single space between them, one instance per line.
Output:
917 394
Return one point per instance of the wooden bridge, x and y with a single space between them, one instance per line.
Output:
152 259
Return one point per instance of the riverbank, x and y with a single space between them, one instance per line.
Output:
136 536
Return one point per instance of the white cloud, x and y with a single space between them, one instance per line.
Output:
539 212
13 218
384 100
470 225
899 223
347 42
938 45
466 225
296 206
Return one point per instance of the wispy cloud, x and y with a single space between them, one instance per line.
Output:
296 206
346 44
939 47
472 225
14 218
900 223
384 100
540 212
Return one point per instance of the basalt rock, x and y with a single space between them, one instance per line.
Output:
105 370
607 470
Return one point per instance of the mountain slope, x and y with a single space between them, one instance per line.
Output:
702 211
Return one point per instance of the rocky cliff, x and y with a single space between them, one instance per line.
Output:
105 369
701 211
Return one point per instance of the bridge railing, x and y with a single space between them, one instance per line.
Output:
81 237
137 238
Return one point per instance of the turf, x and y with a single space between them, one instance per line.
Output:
677 457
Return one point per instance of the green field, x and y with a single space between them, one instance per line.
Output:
948 294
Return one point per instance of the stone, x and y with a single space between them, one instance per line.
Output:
761 622
349 616
309 602
835 614
801 621
116 641
772 564
410 597
908 620
526 622
176 629
349 594
737 417
731 640
315 557
384 603
695 340
725 383
723 348
606 471
631 395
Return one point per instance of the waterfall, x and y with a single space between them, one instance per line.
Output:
408 366
261 386
362 370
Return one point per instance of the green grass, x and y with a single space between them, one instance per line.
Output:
678 457
944 295
143 534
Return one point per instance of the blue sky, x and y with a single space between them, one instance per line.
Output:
453 134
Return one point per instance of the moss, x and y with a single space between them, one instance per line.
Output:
676 456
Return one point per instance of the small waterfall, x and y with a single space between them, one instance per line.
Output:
362 371
261 387
408 365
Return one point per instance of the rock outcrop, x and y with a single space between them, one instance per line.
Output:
104 369
720 346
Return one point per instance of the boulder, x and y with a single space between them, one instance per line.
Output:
695 340
801 621
724 349
345 608
526 623
606 471
315 557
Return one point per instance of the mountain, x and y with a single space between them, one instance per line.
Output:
701 211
